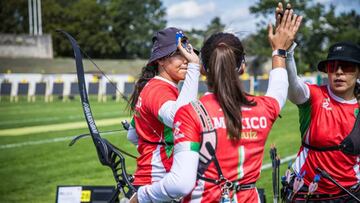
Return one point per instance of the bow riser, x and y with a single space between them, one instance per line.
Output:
107 153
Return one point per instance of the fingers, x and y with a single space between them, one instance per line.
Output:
278 13
270 35
270 31
279 9
288 19
179 46
182 50
188 53
284 19
293 21
288 6
297 24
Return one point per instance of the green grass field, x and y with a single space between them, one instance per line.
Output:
32 168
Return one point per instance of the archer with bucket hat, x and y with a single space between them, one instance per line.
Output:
156 99
330 137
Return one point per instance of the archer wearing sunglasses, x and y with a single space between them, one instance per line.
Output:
327 116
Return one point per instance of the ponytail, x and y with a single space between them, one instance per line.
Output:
147 73
223 79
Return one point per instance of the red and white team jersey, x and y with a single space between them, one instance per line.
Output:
239 160
325 120
155 159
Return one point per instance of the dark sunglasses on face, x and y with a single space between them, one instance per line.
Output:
346 67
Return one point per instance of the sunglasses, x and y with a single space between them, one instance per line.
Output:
346 67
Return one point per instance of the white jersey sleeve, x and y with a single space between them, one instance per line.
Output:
177 183
188 93
278 86
299 92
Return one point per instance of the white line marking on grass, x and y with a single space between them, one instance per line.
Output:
58 127
72 117
39 142
22 144
61 139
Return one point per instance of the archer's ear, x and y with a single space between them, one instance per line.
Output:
161 62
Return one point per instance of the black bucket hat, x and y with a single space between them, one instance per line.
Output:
164 43
342 51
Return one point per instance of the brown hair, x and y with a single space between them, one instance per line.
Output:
146 74
222 55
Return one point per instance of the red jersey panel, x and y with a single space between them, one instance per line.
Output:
154 159
239 160
325 121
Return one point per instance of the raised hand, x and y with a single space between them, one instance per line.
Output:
279 13
192 57
285 32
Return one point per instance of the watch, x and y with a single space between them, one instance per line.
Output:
280 52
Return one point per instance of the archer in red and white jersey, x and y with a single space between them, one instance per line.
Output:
240 161
156 99
322 124
327 115
155 140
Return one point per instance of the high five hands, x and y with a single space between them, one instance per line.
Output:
286 28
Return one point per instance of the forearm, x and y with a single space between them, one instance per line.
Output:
189 89
188 93
299 92
177 183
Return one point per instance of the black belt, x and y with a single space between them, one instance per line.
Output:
249 186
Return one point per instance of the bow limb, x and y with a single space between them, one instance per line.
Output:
107 153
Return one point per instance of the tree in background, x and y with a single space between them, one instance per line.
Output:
134 23
103 28
14 17
321 28
87 20
198 36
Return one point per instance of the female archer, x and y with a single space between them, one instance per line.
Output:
156 99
